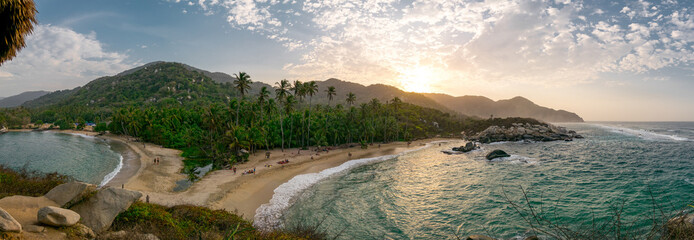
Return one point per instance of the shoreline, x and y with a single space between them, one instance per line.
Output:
224 189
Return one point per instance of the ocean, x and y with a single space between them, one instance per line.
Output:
85 158
639 170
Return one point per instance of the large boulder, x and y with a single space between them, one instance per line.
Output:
68 194
99 211
497 154
467 147
7 223
57 217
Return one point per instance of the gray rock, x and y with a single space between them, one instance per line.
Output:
478 237
67 194
497 154
532 238
57 217
8 223
99 211
34 229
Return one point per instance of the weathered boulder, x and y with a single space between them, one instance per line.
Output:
35 229
57 217
532 238
517 132
7 223
67 194
126 235
497 154
99 211
478 237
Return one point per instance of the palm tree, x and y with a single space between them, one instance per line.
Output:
396 104
281 93
311 88
18 18
243 84
263 95
331 93
288 108
351 98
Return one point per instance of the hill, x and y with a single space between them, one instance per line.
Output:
158 83
515 107
19 99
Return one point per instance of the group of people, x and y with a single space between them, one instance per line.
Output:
285 161
249 171
156 161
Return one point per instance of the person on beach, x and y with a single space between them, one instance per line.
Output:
147 198
350 154
234 168
253 170
267 155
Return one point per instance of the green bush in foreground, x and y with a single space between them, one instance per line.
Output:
28 183
192 222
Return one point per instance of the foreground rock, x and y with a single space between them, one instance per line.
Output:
520 132
8 223
497 154
57 217
68 194
99 211
468 147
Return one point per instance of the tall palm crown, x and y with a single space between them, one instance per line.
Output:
351 98
282 89
331 93
298 88
311 88
242 83
18 18
263 95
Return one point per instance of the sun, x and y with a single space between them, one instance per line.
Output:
417 79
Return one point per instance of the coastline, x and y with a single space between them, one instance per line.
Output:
222 189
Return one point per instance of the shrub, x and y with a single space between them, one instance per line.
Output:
28 183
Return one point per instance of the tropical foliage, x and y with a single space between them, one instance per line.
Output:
18 18
170 105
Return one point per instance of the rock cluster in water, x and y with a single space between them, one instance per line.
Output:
520 132
497 154
79 205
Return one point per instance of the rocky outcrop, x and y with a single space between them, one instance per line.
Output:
68 194
8 223
520 132
497 154
57 217
84 231
99 211
468 147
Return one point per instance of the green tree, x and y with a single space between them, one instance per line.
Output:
281 93
242 84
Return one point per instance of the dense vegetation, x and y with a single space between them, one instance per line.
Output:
28 183
168 104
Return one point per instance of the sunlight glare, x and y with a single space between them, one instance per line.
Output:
416 79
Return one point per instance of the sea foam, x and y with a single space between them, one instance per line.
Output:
112 174
268 216
644 134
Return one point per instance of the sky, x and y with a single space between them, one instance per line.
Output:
629 60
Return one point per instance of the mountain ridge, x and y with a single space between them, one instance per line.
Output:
192 78
19 99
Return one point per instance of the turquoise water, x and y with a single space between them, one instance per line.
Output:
429 195
85 158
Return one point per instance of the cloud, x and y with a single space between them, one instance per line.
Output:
59 58
536 42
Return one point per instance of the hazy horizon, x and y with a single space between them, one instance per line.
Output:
605 61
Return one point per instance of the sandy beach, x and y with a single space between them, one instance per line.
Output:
224 189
